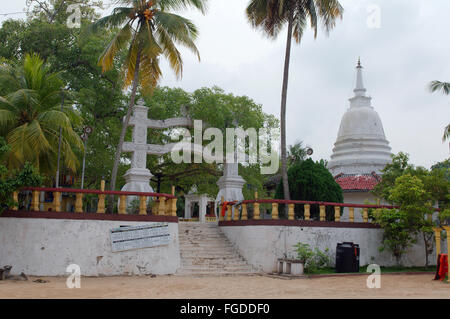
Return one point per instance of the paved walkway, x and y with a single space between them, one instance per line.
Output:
392 286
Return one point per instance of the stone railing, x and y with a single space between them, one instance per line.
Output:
30 200
239 211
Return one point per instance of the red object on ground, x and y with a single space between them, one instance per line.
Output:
443 267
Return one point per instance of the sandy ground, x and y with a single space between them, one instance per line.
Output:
392 286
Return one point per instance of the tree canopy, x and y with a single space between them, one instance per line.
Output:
309 180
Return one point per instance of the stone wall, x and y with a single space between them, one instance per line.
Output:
262 244
43 245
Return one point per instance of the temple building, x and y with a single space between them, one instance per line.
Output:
361 150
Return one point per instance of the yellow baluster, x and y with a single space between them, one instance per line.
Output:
365 215
228 212
56 201
337 213
256 212
307 212
79 203
142 205
437 238
322 213
162 206
35 201
236 213
101 199
244 212
291 213
274 210
351 214
16 200
123 204
173 207
221 217
155 206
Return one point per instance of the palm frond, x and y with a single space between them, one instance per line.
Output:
117 18
120 40
183 4
435 86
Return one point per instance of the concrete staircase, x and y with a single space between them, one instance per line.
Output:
205 250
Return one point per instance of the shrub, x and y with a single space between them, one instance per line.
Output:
312 259
309 180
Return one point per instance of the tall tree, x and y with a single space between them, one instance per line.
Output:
271 16
148 29
436 86
31 117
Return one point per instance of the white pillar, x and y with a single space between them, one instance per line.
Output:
202 209
187 208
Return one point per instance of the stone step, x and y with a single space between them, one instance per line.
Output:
206 255
200 246
215 269
196 262
205 250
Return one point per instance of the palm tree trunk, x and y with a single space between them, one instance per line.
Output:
123 132
283 111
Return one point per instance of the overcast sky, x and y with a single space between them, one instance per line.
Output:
409 49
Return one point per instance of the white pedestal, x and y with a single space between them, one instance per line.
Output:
138 180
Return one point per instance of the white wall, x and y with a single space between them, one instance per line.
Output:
261 246
45 247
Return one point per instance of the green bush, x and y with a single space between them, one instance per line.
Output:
309 180
13 180
312 259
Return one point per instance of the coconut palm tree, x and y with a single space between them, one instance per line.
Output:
31 117
147 30
435 86
271 16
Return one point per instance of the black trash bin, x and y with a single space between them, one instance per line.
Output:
347 257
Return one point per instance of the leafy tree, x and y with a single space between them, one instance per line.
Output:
13 180
398 166
309 180
216 109
402 225
149 30
271 16
414 189
31 117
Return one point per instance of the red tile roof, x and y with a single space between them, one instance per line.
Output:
357 182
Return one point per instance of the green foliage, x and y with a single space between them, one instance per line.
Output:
312 260
414 191
309 180
13 180
31 117
215 108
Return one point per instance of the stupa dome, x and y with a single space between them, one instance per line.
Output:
361 146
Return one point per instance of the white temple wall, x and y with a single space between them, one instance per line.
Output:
261 246
45 247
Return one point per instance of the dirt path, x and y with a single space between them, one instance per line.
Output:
392 286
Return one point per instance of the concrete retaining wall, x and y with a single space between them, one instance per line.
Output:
45 247
262 245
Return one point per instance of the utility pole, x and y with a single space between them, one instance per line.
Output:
59 144
86 132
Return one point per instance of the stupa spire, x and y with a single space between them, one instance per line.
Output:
359 89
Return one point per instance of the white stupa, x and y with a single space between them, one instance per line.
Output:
361 146
361 150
